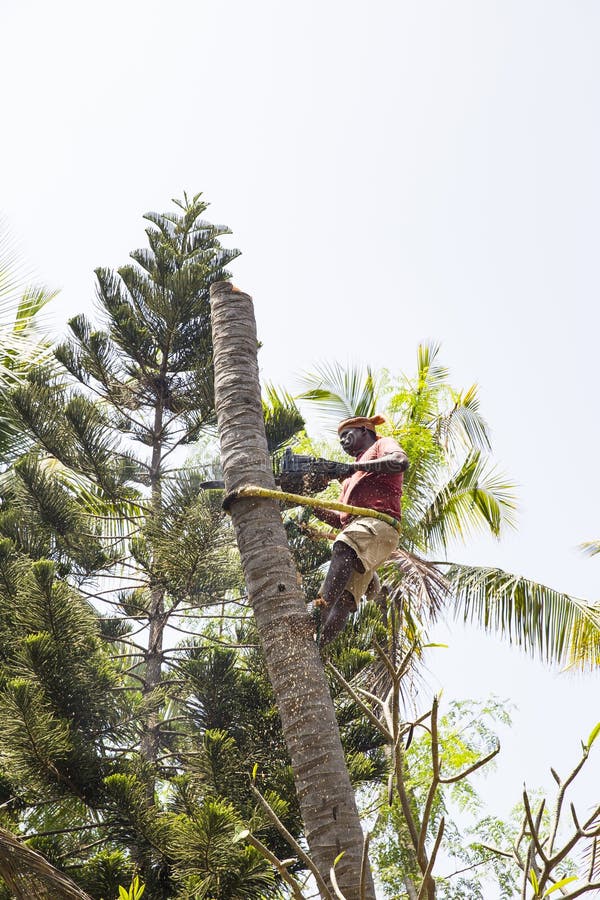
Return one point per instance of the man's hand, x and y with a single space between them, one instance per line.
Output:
342 470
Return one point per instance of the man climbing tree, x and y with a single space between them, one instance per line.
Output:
374 481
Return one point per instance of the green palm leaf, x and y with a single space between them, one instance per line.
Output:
464 425
475 497
428 400
591 548
22 349
340 392
282 417
545 623
32 301
428 373
20 305
418 398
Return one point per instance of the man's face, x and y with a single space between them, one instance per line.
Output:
354 440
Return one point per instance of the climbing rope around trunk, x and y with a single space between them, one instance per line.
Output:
253 490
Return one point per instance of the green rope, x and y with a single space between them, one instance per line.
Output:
253 490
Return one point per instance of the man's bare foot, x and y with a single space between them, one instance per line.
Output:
320 603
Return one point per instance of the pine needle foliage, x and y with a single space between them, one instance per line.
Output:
115 754
57 704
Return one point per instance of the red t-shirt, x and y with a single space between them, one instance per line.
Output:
374 490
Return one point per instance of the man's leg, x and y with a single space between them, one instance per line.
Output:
338 602
343 561
335 617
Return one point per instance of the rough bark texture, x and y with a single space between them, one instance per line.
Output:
310 728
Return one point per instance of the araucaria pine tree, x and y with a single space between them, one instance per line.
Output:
121 752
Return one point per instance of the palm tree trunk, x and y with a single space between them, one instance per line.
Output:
326 797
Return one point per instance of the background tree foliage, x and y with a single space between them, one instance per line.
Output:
23 346
134 702
123 750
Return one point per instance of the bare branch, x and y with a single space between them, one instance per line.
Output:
377 723
302 855
563 785
582 890
277 864
534 826
429 869
476 765
435 780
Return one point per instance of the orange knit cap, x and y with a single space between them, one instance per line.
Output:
359 421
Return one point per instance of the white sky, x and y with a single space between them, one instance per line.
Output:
392 172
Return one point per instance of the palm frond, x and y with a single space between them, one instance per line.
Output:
545 623
340 392
282 417
418 398
428 373
464 425
584 645
20 305
22 348
411 594
32 302
590 548
477 496
31 877
413 591
415 582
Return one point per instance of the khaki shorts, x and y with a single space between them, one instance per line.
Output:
372 540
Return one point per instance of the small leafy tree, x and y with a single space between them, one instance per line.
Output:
544 847
434 794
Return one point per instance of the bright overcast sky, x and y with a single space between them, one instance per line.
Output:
392 172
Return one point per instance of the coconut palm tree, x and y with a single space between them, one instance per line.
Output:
451 492
324 790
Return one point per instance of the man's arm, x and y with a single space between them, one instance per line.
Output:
390 463
329 516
